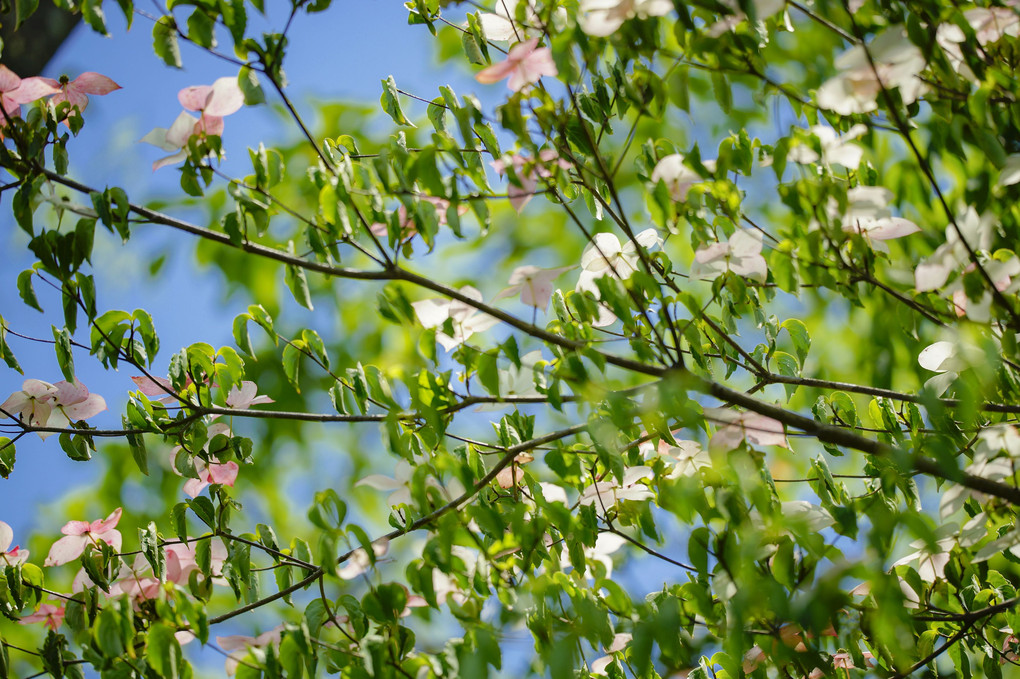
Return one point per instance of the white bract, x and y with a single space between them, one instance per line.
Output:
466 319
837 149
740 255
891 61
678 177
605 256
952 255
868 214
603 17
605 494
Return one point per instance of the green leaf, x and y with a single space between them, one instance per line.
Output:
799 334
26 290
162 651
164 41
201 29
390 101
62 344
298 284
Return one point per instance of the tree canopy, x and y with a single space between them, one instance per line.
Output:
684 345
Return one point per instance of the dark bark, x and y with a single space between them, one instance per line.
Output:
28 50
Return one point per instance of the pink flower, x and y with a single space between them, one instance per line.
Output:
155 386
213 102
223 474
74 92
533 284
42 404
14 556
14 91
52 616
524 65
78 534
245 396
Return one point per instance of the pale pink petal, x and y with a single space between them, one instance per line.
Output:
193 487
170 160
39 389
196 97
226 98
181 130
6 536
223 474
76 528
93 405
893 227
16 402
32 89
210 124
9 81
496 72
90 82
931 276
764 431
108 523
69 394
66 549
155 386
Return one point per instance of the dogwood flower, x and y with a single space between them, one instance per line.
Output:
10 557
245 396
837 149
941 358
678 177
931 562
237 646
155 386
687 457
212 102
740 255
78 534
50 615
868 214
891 61
1002 274
763 9
605 494
41 404
502 25
359 562
604 256
525 64
14 92
751 427
533 284
76 91
399 483
466 320
978 232
224 474
603 17
620 641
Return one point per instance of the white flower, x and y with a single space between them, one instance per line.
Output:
237 646
604 256
687 457
603 17
1010 172
399 484
359 561
741 255
942 358
836 149
605 494
533 284
502 24
931 564
466 319
678 177
606 544
868 214
620 641
895 63
978 232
